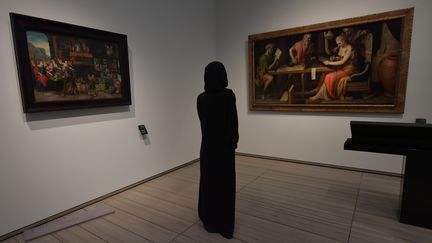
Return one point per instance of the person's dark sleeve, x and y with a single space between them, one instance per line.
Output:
234 127
198 104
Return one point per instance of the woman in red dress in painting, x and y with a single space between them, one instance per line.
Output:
333 85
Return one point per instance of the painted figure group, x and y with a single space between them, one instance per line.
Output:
351 46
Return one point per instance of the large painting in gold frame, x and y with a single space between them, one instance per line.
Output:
351 65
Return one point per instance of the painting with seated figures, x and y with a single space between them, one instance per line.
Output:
352 65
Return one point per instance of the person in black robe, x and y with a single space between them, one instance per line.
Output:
219 127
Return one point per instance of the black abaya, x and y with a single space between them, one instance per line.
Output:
219 126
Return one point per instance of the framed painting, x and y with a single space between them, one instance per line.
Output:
63 66
351 65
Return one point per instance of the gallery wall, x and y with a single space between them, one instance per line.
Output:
313 136
51 162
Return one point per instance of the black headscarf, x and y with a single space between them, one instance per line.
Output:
215 77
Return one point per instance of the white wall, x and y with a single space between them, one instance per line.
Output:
54 161
316 137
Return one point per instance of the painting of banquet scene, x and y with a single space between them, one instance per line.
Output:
68 68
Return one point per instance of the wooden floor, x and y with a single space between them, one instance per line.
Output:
276 202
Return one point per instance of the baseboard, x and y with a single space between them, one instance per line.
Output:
81 206
320 164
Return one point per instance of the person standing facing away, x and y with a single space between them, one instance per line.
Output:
219 128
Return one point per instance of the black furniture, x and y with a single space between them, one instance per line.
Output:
414 141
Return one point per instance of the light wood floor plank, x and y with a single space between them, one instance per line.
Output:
198 233
379 204
145 229
243 179
170 208
313 181
250 170
77 234
330 194
168 196
10 240
183 239
175 185
381 183
276 202
190 173
331 174
306 219
260 162
370 228
111 232
44 239
253 229
294 198
299 207
154 216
